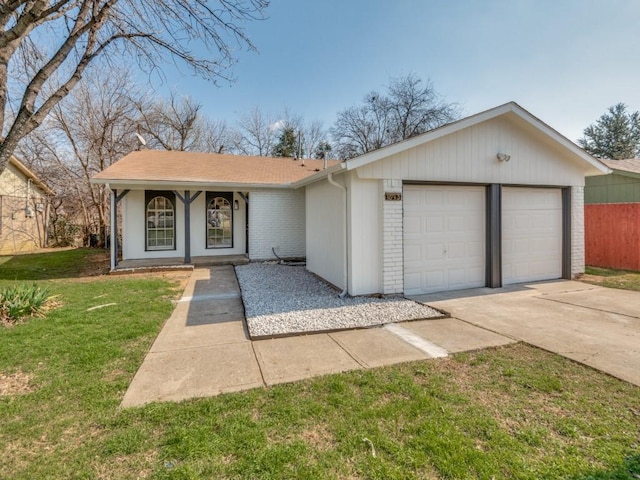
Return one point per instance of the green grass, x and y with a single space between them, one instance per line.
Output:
612 278
53 265
515 412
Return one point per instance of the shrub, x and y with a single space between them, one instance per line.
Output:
21 301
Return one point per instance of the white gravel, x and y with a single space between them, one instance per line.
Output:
280 299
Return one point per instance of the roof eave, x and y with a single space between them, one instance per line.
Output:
625 173
319 175
171 183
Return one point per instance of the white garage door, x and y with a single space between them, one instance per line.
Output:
444 238
531 234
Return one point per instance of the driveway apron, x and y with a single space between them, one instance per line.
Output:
597 326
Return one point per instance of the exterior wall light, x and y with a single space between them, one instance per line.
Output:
503 157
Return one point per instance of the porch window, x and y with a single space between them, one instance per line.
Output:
219 220
161 220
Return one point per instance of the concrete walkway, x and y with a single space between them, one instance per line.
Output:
204 350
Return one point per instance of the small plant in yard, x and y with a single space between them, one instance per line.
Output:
21 301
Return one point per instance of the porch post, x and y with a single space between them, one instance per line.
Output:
114 229
186 200
187 226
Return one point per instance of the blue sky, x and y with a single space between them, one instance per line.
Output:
566 61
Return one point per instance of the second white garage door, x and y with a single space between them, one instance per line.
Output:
444 238
531 234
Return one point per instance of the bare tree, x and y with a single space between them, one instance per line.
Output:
313 136
178 124
409 108
363 128
256 133
47 45
217 137
264 134
416 108
88 131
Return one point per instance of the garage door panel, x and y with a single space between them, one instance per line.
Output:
452 238
435 252
431 197
434 279
457 277
456 224
433 224
531 234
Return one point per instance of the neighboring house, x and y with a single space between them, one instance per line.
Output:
489 200
23 209
612 216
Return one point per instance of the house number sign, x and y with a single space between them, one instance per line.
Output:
393 196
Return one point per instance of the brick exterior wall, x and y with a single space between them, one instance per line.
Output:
392 253
577 231
276 219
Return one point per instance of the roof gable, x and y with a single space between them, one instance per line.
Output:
28 174
591 165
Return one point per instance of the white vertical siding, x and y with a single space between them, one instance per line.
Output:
364 235
276 219
325 212
469 155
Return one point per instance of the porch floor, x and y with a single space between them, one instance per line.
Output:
178 263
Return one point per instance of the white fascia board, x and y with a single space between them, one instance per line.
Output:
320 175
172 185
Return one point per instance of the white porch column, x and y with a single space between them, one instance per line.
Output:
114 229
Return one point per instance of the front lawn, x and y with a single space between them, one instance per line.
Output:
612 278
514 412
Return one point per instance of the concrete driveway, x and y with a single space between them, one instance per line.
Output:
597 326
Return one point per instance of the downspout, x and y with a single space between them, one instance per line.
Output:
345 254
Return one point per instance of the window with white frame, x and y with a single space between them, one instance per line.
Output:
219 220
161 221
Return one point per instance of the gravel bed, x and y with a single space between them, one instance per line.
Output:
280 299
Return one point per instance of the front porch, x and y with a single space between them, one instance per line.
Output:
159 264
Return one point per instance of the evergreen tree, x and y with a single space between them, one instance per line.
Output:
323 150
615 135
287 145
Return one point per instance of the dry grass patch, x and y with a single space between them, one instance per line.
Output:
318 437
17 383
